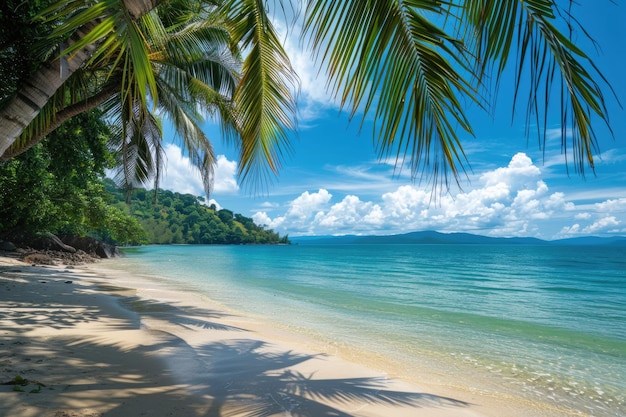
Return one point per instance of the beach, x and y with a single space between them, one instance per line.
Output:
89 341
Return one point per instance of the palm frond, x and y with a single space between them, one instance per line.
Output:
388 56
137 144
192 84
548 61
265 105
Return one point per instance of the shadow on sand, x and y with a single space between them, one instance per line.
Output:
238 375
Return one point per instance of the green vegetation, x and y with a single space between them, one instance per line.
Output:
59 186
184 218
128 67
21 384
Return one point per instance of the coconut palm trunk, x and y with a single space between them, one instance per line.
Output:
61 116
35 92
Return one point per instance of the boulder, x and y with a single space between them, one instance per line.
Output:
91 246
48 241
7 246
39 241
38 259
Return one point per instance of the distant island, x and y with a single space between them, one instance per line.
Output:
432 237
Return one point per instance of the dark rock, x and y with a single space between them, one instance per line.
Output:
39 259
51 242
41 256
91 246
7 246
39 241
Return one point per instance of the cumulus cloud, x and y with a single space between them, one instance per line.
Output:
307 204
214 202
225 176
180 175
600 225
314 98
507 201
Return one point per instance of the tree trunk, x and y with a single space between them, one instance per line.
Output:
137 8
61 116
35 92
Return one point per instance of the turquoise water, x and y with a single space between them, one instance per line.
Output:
544 323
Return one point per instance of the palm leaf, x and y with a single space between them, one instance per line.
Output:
548 61
137 144
387 56
265 106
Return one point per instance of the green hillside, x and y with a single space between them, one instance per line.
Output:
185 219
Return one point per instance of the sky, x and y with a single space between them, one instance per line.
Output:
334 183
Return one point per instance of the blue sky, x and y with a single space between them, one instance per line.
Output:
333 182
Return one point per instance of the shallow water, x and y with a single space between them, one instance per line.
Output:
544 323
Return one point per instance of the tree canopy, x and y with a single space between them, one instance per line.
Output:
186 219
59 186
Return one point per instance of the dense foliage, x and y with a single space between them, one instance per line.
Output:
19 34
57 186
183 218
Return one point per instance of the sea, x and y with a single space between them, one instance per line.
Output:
544 324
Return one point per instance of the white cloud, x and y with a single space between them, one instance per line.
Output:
308 203
213 201
347 214
262 219
557 133
507 201
601 225
610 206
225 176
181 176
519 173
300 211
314 98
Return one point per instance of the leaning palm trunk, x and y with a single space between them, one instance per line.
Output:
60 117
36 91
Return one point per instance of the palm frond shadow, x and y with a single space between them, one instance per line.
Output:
260 383
189 317
226 377
62 304
361 389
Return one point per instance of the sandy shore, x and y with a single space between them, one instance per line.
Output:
88 342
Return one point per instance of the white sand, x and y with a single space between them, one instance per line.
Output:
107 344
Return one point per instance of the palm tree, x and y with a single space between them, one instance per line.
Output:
413 65
34 93
176 61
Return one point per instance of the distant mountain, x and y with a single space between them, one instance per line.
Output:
592 241
432 237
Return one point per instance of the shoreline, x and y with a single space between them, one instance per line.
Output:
108 344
